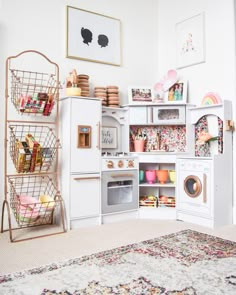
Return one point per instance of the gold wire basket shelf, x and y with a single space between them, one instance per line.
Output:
31 192
33 92
32 147
27 199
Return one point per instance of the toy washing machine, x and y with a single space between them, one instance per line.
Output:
204 182
195 192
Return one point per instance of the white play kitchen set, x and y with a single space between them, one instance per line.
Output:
77 160
175 174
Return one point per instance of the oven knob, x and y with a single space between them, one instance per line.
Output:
110 164
120 163
130 164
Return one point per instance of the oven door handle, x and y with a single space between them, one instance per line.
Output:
122 175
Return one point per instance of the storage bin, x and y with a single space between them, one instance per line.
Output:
35 212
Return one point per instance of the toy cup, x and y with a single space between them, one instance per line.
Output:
162 176
150 176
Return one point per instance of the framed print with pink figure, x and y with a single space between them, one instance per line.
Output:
190 41
177 93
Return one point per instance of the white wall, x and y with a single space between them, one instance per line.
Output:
217 74
148 44
41 25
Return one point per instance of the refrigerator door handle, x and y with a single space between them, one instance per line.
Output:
98 136
85 178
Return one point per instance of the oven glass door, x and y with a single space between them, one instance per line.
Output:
119 191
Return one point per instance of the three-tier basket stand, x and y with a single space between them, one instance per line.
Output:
31 174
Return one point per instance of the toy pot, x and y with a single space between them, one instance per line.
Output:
141 175
172 175
162 176
150 176
139 145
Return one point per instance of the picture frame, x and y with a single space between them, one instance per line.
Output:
190 41
108 137
140 94
177 93
92 36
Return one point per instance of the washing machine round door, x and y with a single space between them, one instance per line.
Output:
192 186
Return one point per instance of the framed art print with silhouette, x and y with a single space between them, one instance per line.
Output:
92 37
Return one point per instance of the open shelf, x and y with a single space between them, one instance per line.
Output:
156 184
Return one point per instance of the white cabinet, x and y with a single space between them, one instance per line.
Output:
138 115
85 113
167 115
157 114
84 196
80 160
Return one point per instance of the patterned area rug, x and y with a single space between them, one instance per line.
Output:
183 263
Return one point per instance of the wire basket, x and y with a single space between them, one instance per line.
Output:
32 147
27 199
33 92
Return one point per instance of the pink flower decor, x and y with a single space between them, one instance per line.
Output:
167 81
204 137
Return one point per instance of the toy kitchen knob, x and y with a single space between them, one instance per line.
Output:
110 164
120 163
130 164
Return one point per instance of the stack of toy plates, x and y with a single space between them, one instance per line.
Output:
101 92
83 83
113 99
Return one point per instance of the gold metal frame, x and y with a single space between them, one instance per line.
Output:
197 189
68 55
24 82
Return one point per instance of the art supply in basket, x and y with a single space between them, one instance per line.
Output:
27 210
47 156
37 103
27 202
36 160
47 202
22 156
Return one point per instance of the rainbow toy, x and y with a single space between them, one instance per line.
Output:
211 98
